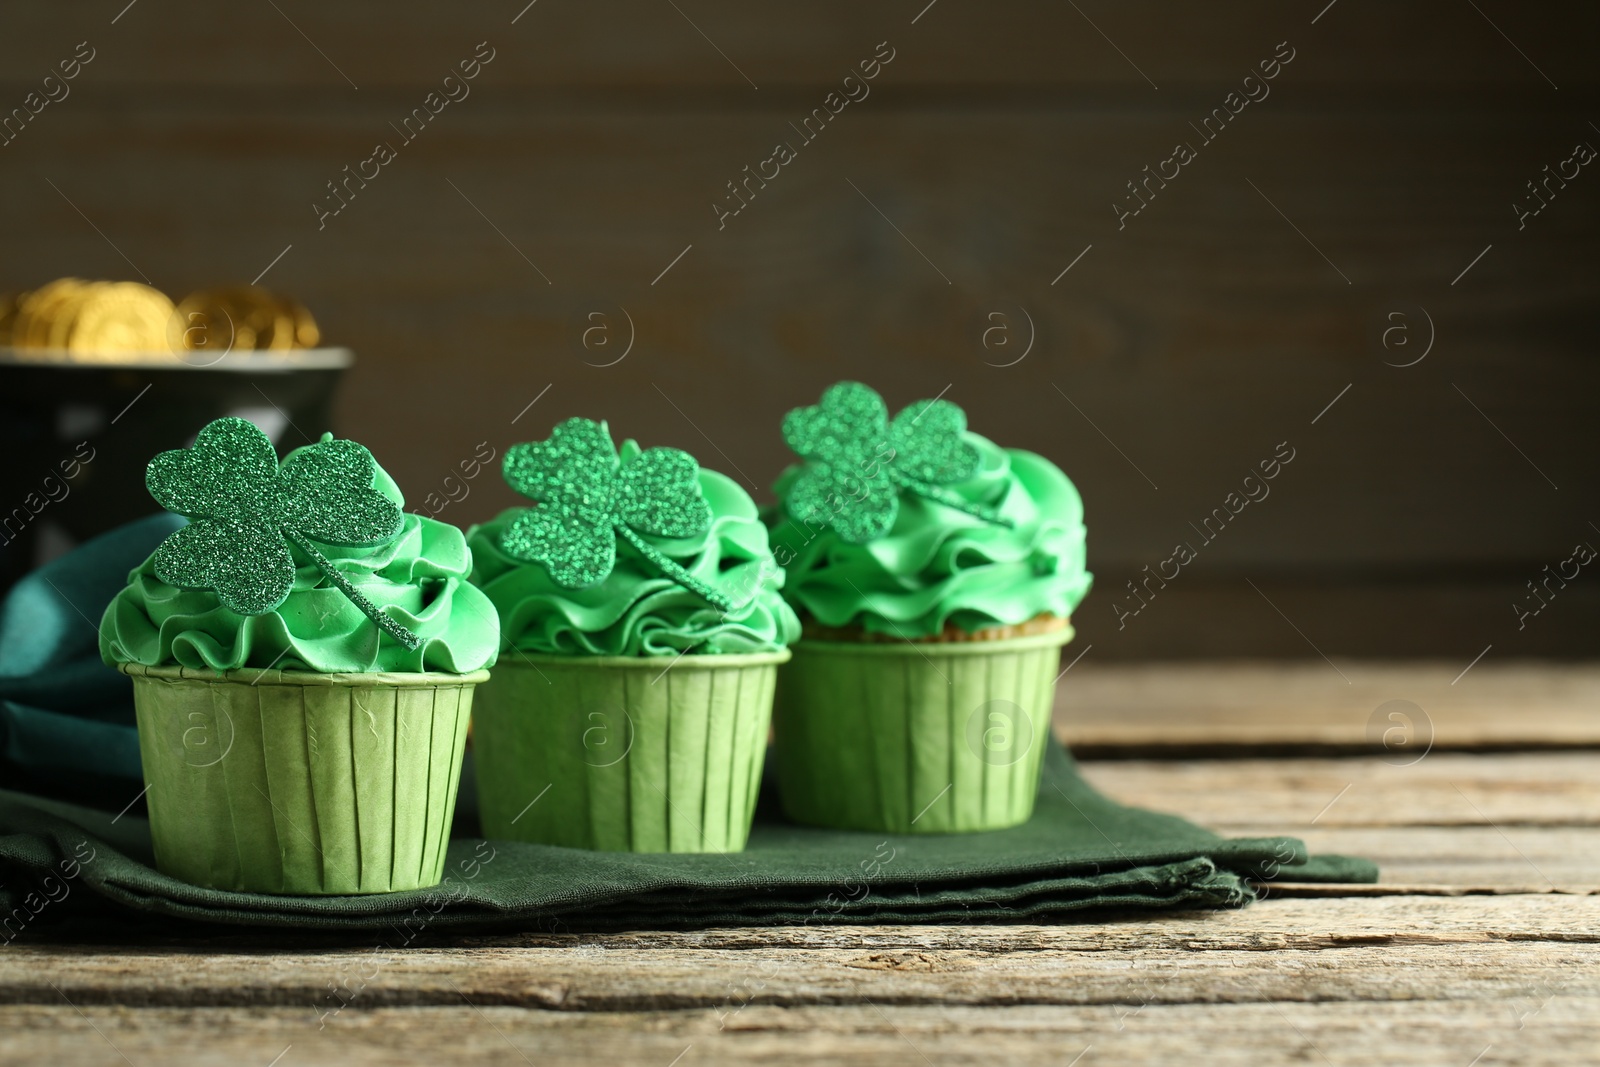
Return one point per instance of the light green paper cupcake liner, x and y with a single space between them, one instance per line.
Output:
301 783
624 754
915 737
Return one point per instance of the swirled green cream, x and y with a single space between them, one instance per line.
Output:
636 610
938 566
420 578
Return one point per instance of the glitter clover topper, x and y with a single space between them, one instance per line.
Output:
245 510
584 496
847 441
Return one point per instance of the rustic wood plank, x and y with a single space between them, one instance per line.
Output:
1163 337
997 141
1172 332
1323 890
1174 709
1378 980
1301 925
1504 791
1532 1028
622 980
641 45
1359 949
1513 859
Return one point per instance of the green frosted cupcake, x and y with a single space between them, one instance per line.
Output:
303 657
935 574
641 629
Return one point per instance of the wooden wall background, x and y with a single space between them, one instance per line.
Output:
1196 339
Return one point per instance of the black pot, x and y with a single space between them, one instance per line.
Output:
77 434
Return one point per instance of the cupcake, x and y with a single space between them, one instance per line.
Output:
303 657
935 574
641 628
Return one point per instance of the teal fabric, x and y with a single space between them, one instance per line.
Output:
64 714
1081 851
67 720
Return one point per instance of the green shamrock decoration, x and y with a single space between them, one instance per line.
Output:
585 496
855 455
244 509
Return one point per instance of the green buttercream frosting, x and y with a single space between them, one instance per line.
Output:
938 565
420 577
637 610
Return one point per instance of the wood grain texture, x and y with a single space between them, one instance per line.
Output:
1505 859
1308 707
1483 943
1180 957
1444 789
1533 1029
1397 979
1190 343
811 284
1311 925
635 44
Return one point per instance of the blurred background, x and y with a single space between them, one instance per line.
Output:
1381 260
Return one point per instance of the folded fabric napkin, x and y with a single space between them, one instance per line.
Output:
1081 850
68 720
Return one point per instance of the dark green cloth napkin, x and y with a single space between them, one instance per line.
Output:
1080 851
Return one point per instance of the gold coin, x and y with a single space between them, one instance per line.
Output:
37 311
241 317
116 317
206 325
64 313
281 336
200 325
220 320
306 332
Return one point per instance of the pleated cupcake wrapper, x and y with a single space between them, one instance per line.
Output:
624 754
301 783
925 737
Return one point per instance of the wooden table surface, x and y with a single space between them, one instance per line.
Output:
1480 946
